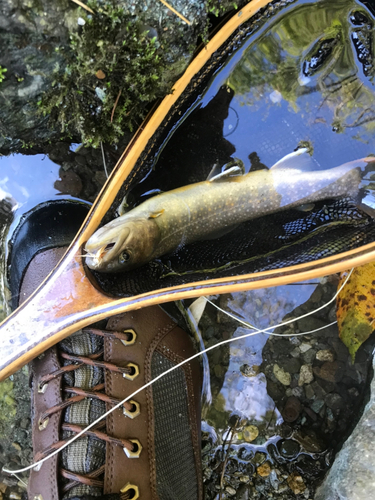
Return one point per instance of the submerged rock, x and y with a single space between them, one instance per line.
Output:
352 476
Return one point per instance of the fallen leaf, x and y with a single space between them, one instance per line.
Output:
356 307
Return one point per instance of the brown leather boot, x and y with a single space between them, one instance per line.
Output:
148 449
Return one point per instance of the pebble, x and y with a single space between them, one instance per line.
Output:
304 347
292 409
309 356
16 446
325 355
295 483
264 470
317 405
231 491
15 496
250 433
334 401
288 448
282 376
306 375
249 371
309 392
331 371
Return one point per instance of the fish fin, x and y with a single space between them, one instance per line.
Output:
298 160
306 207
124 207
234 167
154 215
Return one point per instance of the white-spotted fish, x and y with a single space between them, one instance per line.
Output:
208 209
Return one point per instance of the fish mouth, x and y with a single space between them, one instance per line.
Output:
101 253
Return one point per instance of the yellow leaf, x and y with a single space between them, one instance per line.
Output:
356 307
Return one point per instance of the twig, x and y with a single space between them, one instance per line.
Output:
115 105
83 6
174 11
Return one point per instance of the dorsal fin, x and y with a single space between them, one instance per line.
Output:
298 160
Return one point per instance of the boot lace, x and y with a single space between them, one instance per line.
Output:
73 395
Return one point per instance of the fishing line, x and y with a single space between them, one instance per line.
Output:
104 163
227 341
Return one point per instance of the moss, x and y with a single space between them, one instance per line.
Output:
2 75
7 404
113 69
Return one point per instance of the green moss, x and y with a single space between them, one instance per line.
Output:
2 75
7 404
111 59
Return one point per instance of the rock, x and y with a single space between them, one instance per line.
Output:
249 371
231 491
264 470
250 433
281 375
352 475
325 355
292 409
334 401
295 483
330 371
309 441
304 347
317 405
289 364
288 448
309 392
69 183
309 356
306 375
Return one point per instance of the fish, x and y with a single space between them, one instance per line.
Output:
212 208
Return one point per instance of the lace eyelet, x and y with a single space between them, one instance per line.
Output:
132 340
132 413
42 424
137 452
132 489
134 374
42 388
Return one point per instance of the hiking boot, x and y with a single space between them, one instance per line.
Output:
149 448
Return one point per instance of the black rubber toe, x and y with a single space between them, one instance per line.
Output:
49 225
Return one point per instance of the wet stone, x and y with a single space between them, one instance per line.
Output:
282 346
289 364
288 448
325 355
309 356
306 375
304 347
295 483
309 392
231 491
250 433
317 405
249 371
292 409
334 401
330 371
264 470
281 375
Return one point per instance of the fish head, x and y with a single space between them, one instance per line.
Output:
122 244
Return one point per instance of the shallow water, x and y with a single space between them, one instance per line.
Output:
268 423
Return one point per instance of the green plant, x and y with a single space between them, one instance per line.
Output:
2 71
113 70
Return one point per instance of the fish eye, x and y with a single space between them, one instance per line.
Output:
124 257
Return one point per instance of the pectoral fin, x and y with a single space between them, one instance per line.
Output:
154 215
